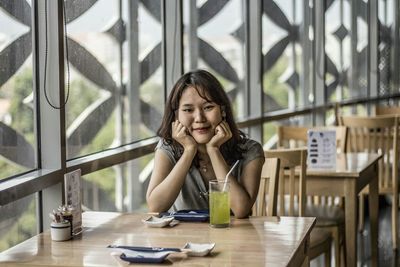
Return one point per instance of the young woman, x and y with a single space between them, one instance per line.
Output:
200 142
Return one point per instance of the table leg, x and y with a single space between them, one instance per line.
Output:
351 222
373 201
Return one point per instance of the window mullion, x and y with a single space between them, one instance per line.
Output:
320 62
172 41
51 121
254 89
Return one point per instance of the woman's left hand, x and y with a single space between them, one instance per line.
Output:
222 134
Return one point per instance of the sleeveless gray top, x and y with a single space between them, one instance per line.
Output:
193 195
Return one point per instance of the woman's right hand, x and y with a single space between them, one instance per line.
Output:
181 135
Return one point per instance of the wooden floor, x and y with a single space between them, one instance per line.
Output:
387 256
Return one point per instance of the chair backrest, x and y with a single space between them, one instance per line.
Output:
292 136
289 180
387 110
296 136
377 134
268 186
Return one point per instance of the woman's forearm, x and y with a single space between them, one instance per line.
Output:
241 202
162 197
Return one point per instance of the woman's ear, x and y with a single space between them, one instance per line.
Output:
223 113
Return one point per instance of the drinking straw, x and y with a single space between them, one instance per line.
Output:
227 175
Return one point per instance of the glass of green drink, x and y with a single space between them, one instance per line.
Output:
219 204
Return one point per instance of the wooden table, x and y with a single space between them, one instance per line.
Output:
258 241
353 172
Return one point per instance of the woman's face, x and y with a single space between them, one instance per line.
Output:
198 115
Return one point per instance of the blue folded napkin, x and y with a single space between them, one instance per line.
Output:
145 249
134 256
189 215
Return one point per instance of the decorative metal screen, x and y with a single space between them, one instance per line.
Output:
17 137
214 40
111 75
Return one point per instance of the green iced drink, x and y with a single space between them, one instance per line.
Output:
219 209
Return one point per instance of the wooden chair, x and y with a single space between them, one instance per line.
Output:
387 110
378 135
296 136
330 217
268 186
289 159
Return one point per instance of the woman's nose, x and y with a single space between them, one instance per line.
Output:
199 116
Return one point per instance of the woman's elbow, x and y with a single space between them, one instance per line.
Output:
241 216
152 206
155 206
242 213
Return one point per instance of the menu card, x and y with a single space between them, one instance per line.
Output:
321 149
72 181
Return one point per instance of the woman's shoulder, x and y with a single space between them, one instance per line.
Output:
250 144
162 143
166 148
252 149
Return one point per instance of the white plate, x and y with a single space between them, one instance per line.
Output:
153 221
199 250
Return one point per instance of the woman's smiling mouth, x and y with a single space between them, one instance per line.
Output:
202 130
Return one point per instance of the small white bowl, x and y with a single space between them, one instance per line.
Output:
60 231
199 250
154 221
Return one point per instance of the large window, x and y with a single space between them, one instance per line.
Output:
17 103
346 53
94 77
282 54
115 75
387 49
18 222
118 188
214 39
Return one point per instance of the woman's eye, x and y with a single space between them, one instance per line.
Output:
186 110
208 107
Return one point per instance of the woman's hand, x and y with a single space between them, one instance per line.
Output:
222 134
181 135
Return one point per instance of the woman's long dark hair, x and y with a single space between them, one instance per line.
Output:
209 88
